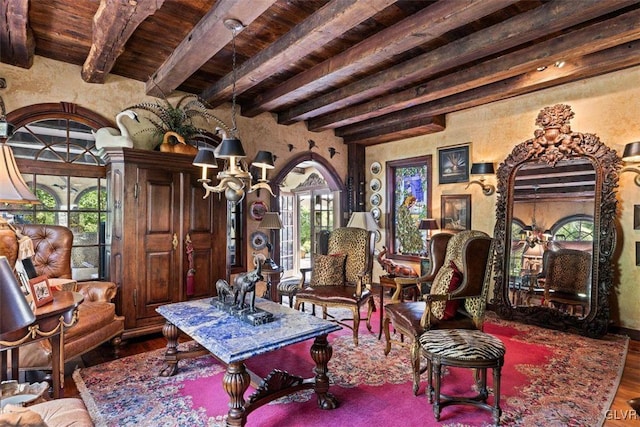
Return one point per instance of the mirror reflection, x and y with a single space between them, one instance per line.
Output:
550 257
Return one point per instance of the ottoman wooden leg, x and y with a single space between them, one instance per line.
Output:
436 406
497 412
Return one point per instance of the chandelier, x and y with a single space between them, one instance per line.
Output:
236 176
531 234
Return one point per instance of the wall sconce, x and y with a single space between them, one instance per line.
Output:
483 169
632 155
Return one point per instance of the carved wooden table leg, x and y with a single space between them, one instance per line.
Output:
170 332
321 353
235 382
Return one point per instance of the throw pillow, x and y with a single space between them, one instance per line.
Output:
451 307
328 270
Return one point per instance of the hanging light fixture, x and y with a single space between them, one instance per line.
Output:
235 176
530 234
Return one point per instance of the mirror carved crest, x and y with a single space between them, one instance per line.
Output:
554 146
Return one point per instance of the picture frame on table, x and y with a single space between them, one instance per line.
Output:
40 290
455 211
453 164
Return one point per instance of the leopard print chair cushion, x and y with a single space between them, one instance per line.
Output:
441 282
328 270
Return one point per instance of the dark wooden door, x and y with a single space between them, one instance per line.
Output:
158 240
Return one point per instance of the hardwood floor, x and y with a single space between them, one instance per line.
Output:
618 416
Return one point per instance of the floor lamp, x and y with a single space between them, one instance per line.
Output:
271 221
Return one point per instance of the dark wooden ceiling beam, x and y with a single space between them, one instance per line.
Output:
523 28
113 24
394 130
600 36
17 45
206 39
329 22
612 59
415 30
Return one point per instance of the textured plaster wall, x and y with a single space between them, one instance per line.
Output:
608 106
53 81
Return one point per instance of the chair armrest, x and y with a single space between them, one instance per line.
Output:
304 272
98 291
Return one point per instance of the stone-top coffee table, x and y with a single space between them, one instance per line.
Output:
233 341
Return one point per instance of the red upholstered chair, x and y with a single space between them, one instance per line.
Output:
342 279
457 296
97 320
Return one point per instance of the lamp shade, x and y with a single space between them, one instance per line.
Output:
264 159
205 159
15 312
231 147
13 189
363 220
632 152
271 221
428 224
482 169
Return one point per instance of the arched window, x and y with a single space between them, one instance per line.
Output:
55 151
574 228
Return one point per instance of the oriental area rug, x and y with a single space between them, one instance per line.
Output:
550 378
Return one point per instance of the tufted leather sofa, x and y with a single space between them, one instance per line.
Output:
97 320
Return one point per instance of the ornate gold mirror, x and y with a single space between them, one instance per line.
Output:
555 231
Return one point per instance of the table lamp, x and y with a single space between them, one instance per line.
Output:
428 224
15 312
271 221
363 220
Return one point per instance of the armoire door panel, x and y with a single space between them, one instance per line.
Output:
160 209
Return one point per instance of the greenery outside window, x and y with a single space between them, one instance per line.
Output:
55 152
408 202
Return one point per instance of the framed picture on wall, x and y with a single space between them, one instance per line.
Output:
636 217
453 164
455 212
638 253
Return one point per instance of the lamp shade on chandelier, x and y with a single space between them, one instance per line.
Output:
235 177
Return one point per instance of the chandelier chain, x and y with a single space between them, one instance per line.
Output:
234 128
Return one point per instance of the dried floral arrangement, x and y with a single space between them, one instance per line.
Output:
179 117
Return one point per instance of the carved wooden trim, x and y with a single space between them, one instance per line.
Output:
552 142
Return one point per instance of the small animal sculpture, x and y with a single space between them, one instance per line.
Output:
180 148
111 137
394 269
245 283
224 291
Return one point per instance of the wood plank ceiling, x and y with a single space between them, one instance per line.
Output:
372 70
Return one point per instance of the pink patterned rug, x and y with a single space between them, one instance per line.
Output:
550 378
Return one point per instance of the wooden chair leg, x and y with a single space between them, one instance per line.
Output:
356 324
415 365
387 335
372 306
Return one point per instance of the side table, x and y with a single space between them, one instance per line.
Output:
51 321
389 282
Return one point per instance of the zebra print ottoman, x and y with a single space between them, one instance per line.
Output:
463 349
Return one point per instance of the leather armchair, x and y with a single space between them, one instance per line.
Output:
97 320
470 251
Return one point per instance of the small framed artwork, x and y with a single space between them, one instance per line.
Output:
453 164
638 253
40 290
455 212
636 217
